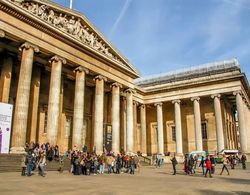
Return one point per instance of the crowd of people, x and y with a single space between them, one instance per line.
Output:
208 164
82 162
89 163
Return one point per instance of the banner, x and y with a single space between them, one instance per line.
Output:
5 126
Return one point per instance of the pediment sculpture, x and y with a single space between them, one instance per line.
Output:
68 24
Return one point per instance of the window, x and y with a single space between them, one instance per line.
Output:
204 130
173 133
45 121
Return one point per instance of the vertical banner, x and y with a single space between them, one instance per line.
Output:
5 126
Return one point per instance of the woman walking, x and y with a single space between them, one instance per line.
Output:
225 162
41 164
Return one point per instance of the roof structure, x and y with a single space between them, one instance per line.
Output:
189 73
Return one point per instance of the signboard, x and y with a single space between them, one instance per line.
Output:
108 138
5 126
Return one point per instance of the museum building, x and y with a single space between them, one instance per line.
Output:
70 87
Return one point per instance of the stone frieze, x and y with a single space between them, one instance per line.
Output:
69 24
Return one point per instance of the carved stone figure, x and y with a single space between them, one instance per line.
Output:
41 12
83 34
77 27
51 17
71 25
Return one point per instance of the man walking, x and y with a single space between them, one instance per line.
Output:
174 163
243 161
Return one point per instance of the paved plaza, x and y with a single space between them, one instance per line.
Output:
149 181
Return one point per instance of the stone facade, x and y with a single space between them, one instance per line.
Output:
70 87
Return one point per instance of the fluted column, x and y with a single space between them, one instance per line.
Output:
219 125
178 128
6 74
123 124
143 130
130 133
241 119
135 104
78 117
22 99
197 123
34 103
160 128
116 117
54 99
98 118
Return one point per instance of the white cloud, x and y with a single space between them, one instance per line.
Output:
121 15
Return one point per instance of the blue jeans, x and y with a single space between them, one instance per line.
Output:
101 169
132 169
29 169
109 168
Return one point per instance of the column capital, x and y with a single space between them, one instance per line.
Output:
129 90
57 58
237 92
135 103
158 104
100 77
28 45
216 95
195 99
142 106
2 34
81 69
176 101
116 84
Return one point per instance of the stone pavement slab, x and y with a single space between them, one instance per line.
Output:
149 181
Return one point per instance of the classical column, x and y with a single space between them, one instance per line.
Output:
135 104
178 128
22 98
130 126
6 74
123 124
241 119
197 123
54 99
34 102
98 118
160 128
219 125
115 112
143 130
78 117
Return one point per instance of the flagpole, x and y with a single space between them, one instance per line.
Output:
71 4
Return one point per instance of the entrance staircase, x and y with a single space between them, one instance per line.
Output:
12 163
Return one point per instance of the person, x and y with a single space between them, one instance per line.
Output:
29 162
23 165
174 163
186 164
191 165
102 163
118 164
243 161
132 165
225 162
202 165
208 166
213 161
109 163
41 164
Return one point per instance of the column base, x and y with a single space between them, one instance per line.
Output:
17 150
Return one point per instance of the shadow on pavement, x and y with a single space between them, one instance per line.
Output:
236 180
223 193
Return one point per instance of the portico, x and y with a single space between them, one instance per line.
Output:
71 88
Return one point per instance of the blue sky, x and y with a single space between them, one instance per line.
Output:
163 35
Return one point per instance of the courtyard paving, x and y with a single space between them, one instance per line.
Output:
149 181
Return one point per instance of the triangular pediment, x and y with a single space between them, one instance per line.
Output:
75 25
